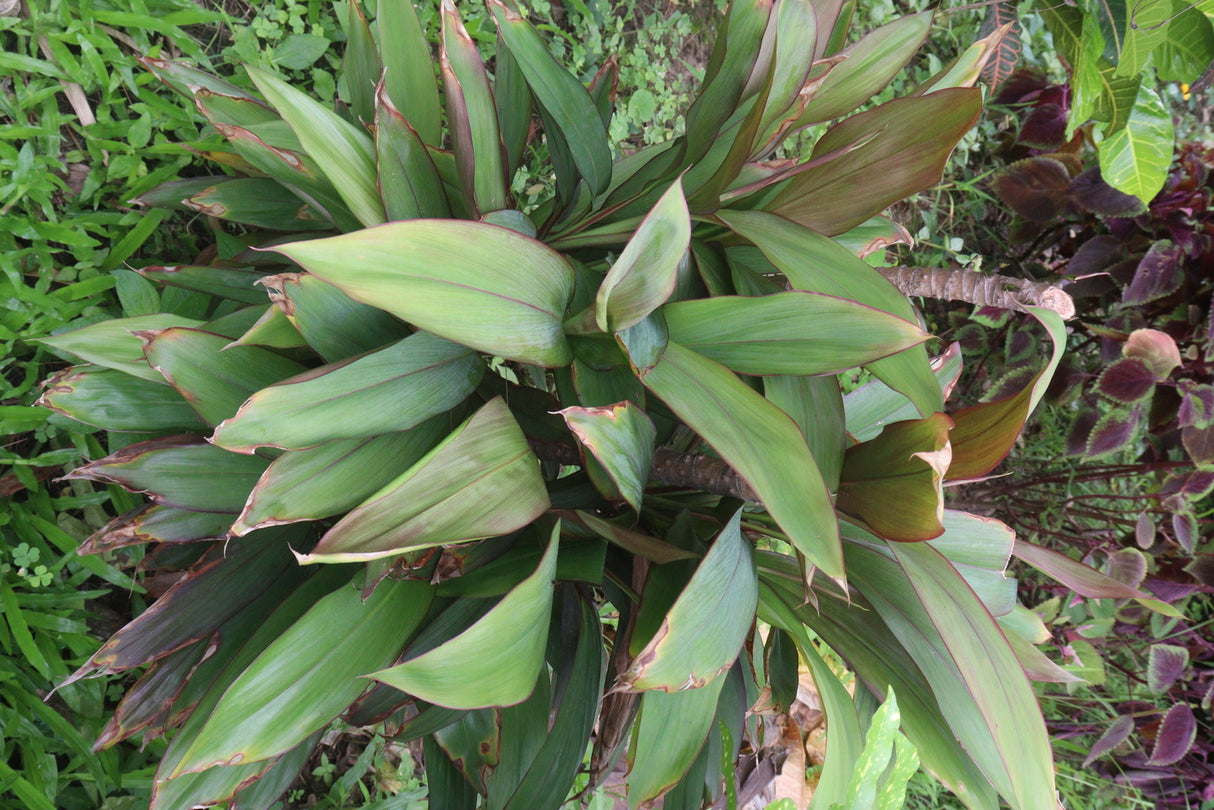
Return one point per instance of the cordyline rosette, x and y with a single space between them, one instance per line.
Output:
423 445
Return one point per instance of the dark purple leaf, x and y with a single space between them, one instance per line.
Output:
1144 531
1198 484
1184 526
1128 565
1159 274
1170 591
1176 735
1096 196
1081 430
1044 127
1128 380
1166 663
1022 345
1202 569
1035 188
1025 84
1113 736
1197 407
1096 255
1113 432
1199 443
1011 382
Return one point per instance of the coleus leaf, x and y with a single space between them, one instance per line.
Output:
1112 432
1117 732
1159 274
1157 350
1126 381
1175 736
1037 188
1166 663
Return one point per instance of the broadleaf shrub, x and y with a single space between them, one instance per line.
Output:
522 482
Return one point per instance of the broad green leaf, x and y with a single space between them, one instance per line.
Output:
984 434
816 405
409 183
212 376
848 624
273 330
257 202
797 333
1011 744
843 738
644 275
333 324
514 104
971 63
390 390
561 96
904 145
667 737
237 284
112 400
814 263
151 523
334 477
548 779
733 59
498 659
184 78
795 28
621 438
472 118
874 405
870 65
179 472
1146 27
228 584
409 69
487 287
481 481
1135 159
113 344
873 235
308 675
446 786
298 172
701 634
361 65
1189 46
642 545
221 783
759 441
980 548
344 153
894 482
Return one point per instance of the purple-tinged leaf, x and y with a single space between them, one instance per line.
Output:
1159 274
1083 579
1093 194
1035 188
149 700
1199 443
1024 85
1176 735
1184 526
1167 662
1096 255
1126 381
1197 407
1113 736
1128 565
1144 530
1081 429
1044 127
1112 432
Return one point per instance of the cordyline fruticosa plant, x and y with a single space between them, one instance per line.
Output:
409 487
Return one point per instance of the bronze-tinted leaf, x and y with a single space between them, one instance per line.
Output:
1096 196
1159 274
1036 188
